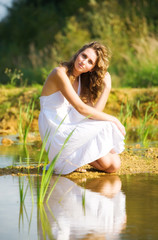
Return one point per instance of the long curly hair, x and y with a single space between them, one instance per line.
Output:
91 82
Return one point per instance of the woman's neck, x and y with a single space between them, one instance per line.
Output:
73 79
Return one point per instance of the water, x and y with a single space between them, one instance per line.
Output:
109 207
14 219
18 155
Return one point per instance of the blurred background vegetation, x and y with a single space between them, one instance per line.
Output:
37 34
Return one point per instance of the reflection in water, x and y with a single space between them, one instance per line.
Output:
95 211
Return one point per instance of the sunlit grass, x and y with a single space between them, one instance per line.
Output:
125 114
144 128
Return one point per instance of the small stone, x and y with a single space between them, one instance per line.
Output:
138 146
7 141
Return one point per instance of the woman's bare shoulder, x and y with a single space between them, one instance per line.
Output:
58 72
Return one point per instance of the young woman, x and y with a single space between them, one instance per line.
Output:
77 92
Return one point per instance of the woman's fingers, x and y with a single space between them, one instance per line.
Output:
120 127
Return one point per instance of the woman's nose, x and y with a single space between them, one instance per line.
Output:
84 61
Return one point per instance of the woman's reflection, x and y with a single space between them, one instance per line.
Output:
95 211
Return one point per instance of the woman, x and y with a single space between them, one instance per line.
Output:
75 94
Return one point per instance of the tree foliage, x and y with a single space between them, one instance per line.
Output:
37 34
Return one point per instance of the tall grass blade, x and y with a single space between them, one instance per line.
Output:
47 176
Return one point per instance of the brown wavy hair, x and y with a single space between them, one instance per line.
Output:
91 82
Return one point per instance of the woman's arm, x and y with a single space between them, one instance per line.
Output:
100 104
64 86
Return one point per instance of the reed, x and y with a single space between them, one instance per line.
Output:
125 113
46 175
14 75
144 128
125 116
25 120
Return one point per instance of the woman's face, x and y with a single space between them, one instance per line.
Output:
85 61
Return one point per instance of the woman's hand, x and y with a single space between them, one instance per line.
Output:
120 126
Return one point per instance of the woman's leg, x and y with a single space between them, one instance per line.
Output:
109 163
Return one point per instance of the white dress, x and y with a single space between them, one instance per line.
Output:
91 139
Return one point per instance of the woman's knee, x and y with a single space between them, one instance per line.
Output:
115 164
111 163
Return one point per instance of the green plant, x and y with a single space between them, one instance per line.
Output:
125 116
144 127
46 175
25 120
125 113
14 75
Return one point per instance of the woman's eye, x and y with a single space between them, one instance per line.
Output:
84 55
90 62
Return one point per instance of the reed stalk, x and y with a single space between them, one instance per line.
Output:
46 175
144 127
24 124
125 114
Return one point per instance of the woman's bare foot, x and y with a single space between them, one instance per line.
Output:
80 169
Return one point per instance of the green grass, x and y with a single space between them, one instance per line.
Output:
144 128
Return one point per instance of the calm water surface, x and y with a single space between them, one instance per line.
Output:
109 207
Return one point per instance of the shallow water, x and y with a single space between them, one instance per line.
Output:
109 207
18 155
14 219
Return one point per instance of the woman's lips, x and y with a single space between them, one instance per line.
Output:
80 65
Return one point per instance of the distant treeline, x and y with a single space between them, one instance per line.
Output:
38 34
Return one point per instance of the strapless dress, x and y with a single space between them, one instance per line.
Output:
90 140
